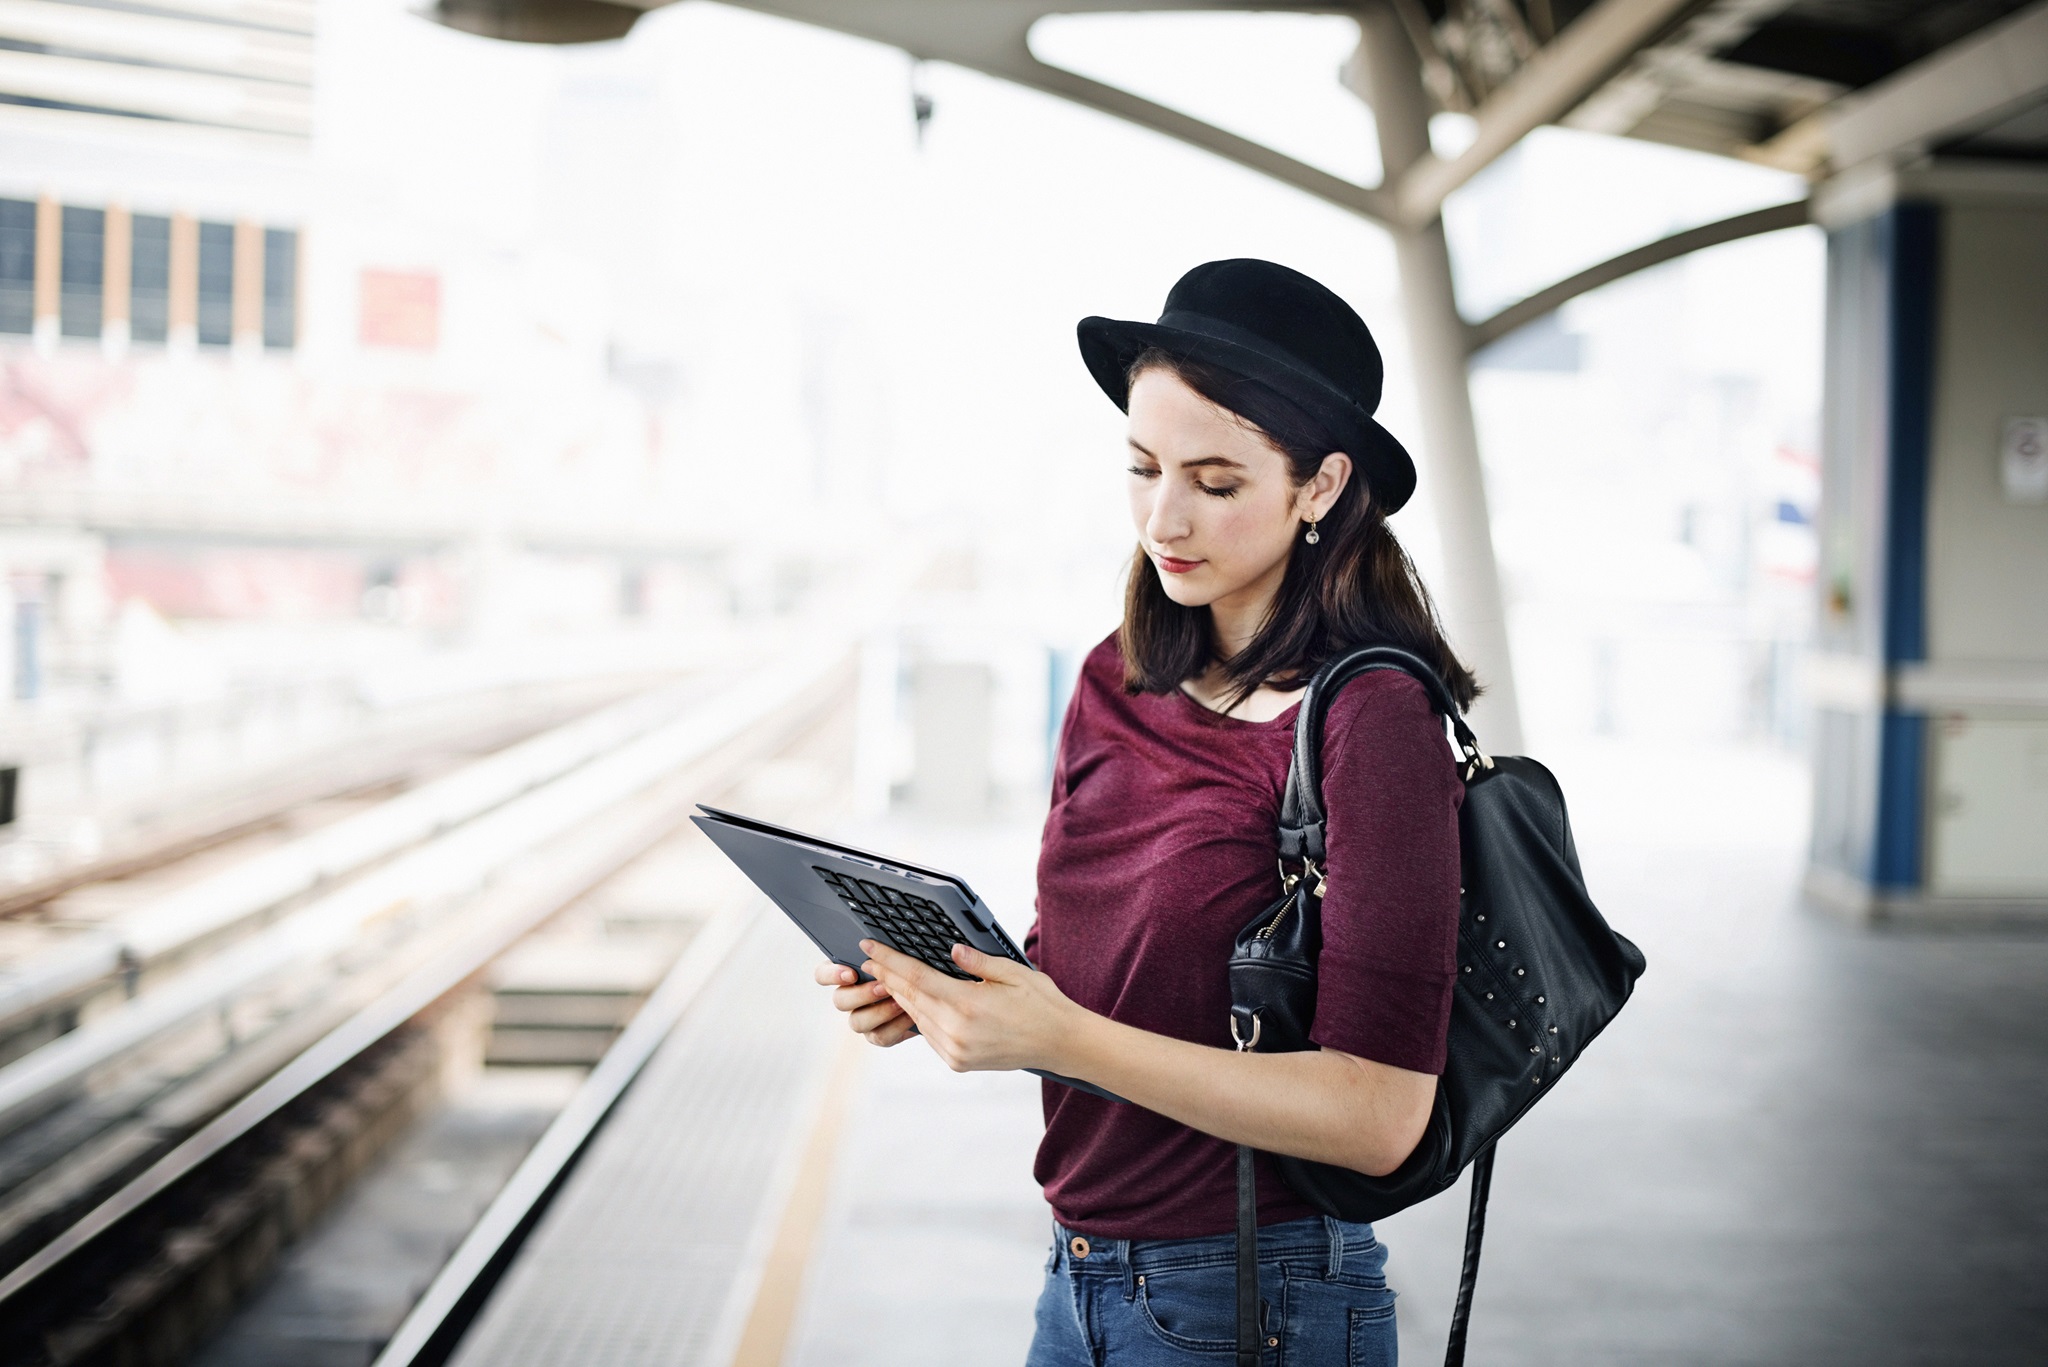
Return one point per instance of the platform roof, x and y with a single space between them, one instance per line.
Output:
1813 86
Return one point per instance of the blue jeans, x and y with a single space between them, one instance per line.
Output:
1173 1302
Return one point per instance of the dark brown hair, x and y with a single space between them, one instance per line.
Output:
1356 586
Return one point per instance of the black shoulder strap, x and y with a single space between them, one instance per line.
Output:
1301 840
1301 805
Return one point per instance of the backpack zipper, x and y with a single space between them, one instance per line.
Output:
1266 931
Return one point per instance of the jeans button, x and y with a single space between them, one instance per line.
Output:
1078 1246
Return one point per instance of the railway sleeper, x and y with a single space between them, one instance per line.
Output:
160 1290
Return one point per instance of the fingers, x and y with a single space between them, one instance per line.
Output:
874 1016
894 960
988 967
895 1032
908 979
859 995
849 993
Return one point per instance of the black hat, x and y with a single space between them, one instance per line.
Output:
1282 329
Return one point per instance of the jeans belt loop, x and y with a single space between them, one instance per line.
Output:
1336 1233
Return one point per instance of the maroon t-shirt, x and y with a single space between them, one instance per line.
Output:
1160 846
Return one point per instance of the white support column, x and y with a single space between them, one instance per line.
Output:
1468 588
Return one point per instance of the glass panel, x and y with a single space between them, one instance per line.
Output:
149 278
17 265
216 283
280 287
83 268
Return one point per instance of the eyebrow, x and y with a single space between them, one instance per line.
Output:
1221 462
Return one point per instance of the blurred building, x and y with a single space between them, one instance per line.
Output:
265 423
238 383
154 179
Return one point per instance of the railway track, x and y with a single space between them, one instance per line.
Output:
154 1159
394 746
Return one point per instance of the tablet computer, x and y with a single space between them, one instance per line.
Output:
839 896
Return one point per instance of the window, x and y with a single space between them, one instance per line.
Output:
17 265
149 278
280 287
216 284
83 272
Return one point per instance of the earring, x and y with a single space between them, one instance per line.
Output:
1313 535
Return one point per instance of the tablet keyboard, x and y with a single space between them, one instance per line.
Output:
916 925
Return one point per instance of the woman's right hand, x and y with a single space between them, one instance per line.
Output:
869 1008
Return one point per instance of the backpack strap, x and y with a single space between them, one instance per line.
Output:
1301 842
1301 804
1468 1271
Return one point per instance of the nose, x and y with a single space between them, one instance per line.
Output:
1166 519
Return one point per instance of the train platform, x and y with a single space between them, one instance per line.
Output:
1804 1141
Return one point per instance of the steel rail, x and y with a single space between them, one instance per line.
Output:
459 862
535 888
249 889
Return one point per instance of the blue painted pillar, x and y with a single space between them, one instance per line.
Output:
1870 758
1913 266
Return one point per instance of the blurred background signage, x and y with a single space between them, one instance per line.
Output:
401 309
2023 460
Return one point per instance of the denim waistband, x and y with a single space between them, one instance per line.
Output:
1320 1238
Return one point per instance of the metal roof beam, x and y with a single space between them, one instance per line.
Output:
1366 202
1656 253
993 38
1555 79
1952 92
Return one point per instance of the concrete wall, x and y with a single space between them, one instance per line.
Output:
1931 669
1987 564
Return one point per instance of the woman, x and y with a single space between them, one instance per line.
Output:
1260 486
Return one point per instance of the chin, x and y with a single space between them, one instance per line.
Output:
1177 587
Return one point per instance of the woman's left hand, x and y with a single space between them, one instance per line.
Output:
1015 1017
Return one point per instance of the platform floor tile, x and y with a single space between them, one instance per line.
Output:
650 1256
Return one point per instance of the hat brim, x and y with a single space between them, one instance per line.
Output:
1109 346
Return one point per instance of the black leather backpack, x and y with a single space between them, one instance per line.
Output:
1540 974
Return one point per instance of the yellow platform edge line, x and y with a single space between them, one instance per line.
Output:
764 1341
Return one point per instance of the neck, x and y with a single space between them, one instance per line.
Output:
1236 618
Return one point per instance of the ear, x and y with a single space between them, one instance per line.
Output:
1315 498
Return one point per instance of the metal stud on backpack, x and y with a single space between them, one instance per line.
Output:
1540 974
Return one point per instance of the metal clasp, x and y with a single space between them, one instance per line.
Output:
1246 1045
1309 869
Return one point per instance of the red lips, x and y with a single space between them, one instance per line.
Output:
1173 566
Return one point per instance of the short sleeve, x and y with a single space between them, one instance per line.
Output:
1060 786
1391 794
